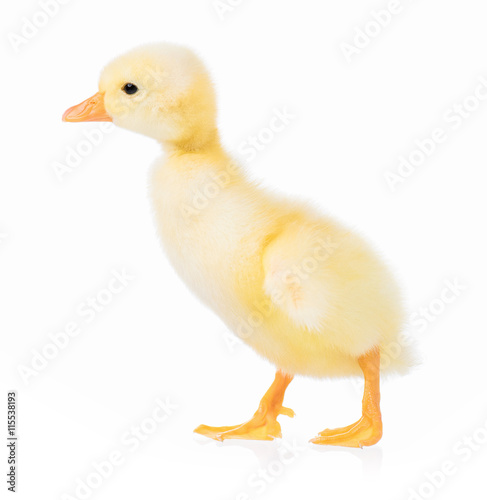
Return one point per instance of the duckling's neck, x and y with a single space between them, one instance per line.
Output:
200 141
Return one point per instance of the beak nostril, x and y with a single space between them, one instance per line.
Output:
90 110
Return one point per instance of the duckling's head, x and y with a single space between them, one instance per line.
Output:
159 90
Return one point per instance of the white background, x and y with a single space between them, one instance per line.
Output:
61 239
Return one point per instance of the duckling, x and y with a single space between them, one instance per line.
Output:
300 289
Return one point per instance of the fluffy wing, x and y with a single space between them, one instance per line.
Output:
295 267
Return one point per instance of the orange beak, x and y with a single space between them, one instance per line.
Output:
91 110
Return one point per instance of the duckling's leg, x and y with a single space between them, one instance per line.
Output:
368 429
264 424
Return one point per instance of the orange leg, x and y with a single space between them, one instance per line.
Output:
264 424
368 429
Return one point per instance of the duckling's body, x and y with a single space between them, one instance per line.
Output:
301 290
298 288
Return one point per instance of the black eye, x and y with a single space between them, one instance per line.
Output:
130 88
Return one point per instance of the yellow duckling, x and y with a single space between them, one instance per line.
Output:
296 286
